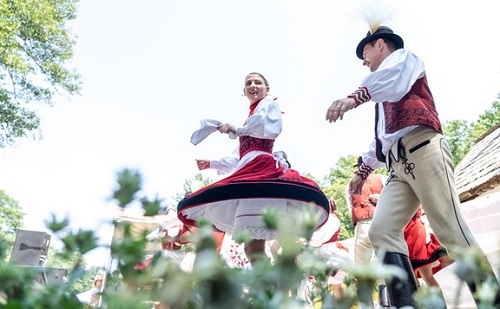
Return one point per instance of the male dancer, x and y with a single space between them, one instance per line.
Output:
409 141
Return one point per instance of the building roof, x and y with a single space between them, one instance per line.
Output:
479 171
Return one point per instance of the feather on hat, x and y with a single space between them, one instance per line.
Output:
375 19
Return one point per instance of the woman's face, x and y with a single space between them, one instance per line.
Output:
255 88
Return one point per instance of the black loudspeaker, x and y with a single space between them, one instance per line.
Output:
30 248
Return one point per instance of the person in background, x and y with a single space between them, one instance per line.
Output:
175 237
333 250
256 180
427 255
362 208
409 141
95 295
326 245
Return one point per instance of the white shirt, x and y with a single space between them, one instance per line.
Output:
391 82
264 123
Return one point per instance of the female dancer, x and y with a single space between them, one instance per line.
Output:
259 179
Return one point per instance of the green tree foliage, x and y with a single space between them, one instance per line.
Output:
335 184
489 119
211 283
35 46
72 261
11 219
458 137
12 215
198 182
462 135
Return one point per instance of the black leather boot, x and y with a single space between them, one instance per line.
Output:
383 296
401 291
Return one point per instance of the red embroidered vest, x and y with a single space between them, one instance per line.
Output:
415 108
249 143
362 207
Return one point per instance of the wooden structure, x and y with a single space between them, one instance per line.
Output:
479 171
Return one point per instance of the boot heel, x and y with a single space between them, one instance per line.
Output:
401 291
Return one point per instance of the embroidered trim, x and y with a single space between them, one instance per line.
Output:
402 155
401 158
364 171
249 143
360 96
415 108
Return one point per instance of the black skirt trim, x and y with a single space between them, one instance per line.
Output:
247 189
434 257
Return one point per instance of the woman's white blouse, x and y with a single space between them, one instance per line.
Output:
265 123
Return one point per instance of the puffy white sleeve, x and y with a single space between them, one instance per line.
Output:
395 76
227 164
265 122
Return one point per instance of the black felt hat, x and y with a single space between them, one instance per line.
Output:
382 32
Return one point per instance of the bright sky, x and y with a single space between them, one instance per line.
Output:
153 69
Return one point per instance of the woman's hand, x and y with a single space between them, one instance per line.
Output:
203 164
226 128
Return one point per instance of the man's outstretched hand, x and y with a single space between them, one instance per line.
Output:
339 108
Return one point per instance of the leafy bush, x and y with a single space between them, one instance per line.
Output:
211 283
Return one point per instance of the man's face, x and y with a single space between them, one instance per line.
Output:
372 54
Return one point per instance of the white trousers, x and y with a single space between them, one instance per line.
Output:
420 172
